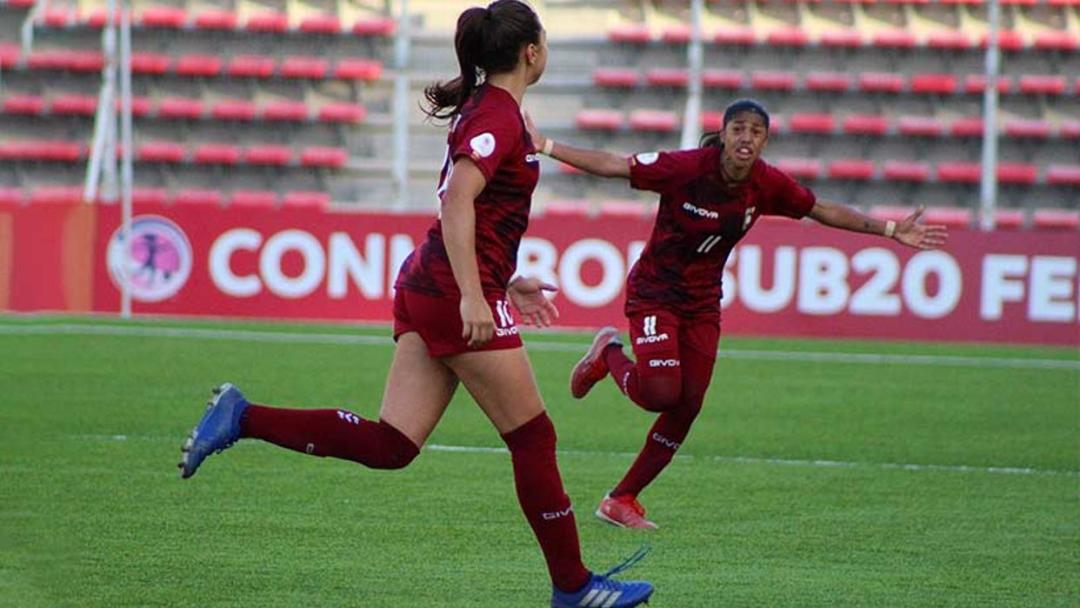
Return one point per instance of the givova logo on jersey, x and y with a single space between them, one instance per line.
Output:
648 327
504 320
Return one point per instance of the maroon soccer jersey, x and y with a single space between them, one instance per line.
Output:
698 223
490 131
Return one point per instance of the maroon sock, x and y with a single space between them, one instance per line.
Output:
664 439
335 433
623 371
545 503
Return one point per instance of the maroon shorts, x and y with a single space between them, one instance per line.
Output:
438 321
661 340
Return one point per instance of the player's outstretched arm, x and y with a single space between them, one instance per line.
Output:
597 162
527 296
908 232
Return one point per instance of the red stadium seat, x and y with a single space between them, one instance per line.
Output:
216 154
233 109
358 69
160 152
150 63
828 81
667 77
1042 85
921 126
56 59
773 81
140 106
149 196
967 126
58 17
599 120
849 39
881 82
939 84
43 150
632 33
324 156
722 79
267 154
261 199
306 199
216 20
851 168
676 34
625 78
1008 40
1017 173
380 26
654 121
788 36
85 61
906 171
952 40
894 39
166 17
9 55
1033 128
890 212
10 196
199 196
1063 175
74 105
96 18
1053 40
959 172
806 122
1056 219
865 124
567 208
180 108
976 84
800 168
198 65
350 113
250 66
321 24
21 3
314 68
952 217
267 22
56 195
1069 129
1008 219
24 105
735 36
285 111
712 120
624 208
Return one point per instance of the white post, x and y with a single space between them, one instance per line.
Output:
691 131
106 104
988 181
128 151
401 106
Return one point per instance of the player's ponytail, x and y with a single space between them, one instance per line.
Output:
488 41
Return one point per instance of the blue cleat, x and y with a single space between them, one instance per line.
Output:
602 591
217 431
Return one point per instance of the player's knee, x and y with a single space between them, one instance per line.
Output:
661 392
397 450
537 434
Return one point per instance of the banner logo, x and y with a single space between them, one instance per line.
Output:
157 260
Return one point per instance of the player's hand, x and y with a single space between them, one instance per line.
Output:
530 302
477 322
913 234
534 134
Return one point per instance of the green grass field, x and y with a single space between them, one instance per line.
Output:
92 512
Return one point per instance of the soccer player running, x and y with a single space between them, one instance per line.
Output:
465 264
709 198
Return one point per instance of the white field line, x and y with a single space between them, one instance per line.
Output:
746 460
540 345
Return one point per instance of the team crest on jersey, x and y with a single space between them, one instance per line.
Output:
647 158
482 145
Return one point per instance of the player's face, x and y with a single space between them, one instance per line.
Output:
745 137
536 57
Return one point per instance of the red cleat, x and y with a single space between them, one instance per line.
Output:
592 368
625 512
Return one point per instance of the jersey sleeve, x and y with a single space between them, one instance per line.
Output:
788 197
487 138
659 171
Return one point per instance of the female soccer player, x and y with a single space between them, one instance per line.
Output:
709 198
465 264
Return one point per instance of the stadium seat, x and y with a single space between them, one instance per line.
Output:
324 156
894 39
890 212
1069 129
1008 219
1008 40
198 65
324 24
250 66
261 199
1055 219
216 154
865 124
380 26
616 77
920 126
631 33
43 150
1027 128
881 82
285 111
47 60
1042 85
199 196
342 112
234 109
800 168
851 169
712 120
828 81
358 69
1056 40
215 20
160 152
624 208
9 55
667 77
164 17
950 40
792 36
154 64
735 36
679 33
848 39
772 81
149 196
722 79
55 195
1063 175
272 22
96 18
599 120
140 106
654 121
1017 173
905 171
934 84
806 122
267 154
976 83
73 105
314 68
24 105
19 4
567 208
966 126
952 217
959 172
306 199
180 108
11 196
58 17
